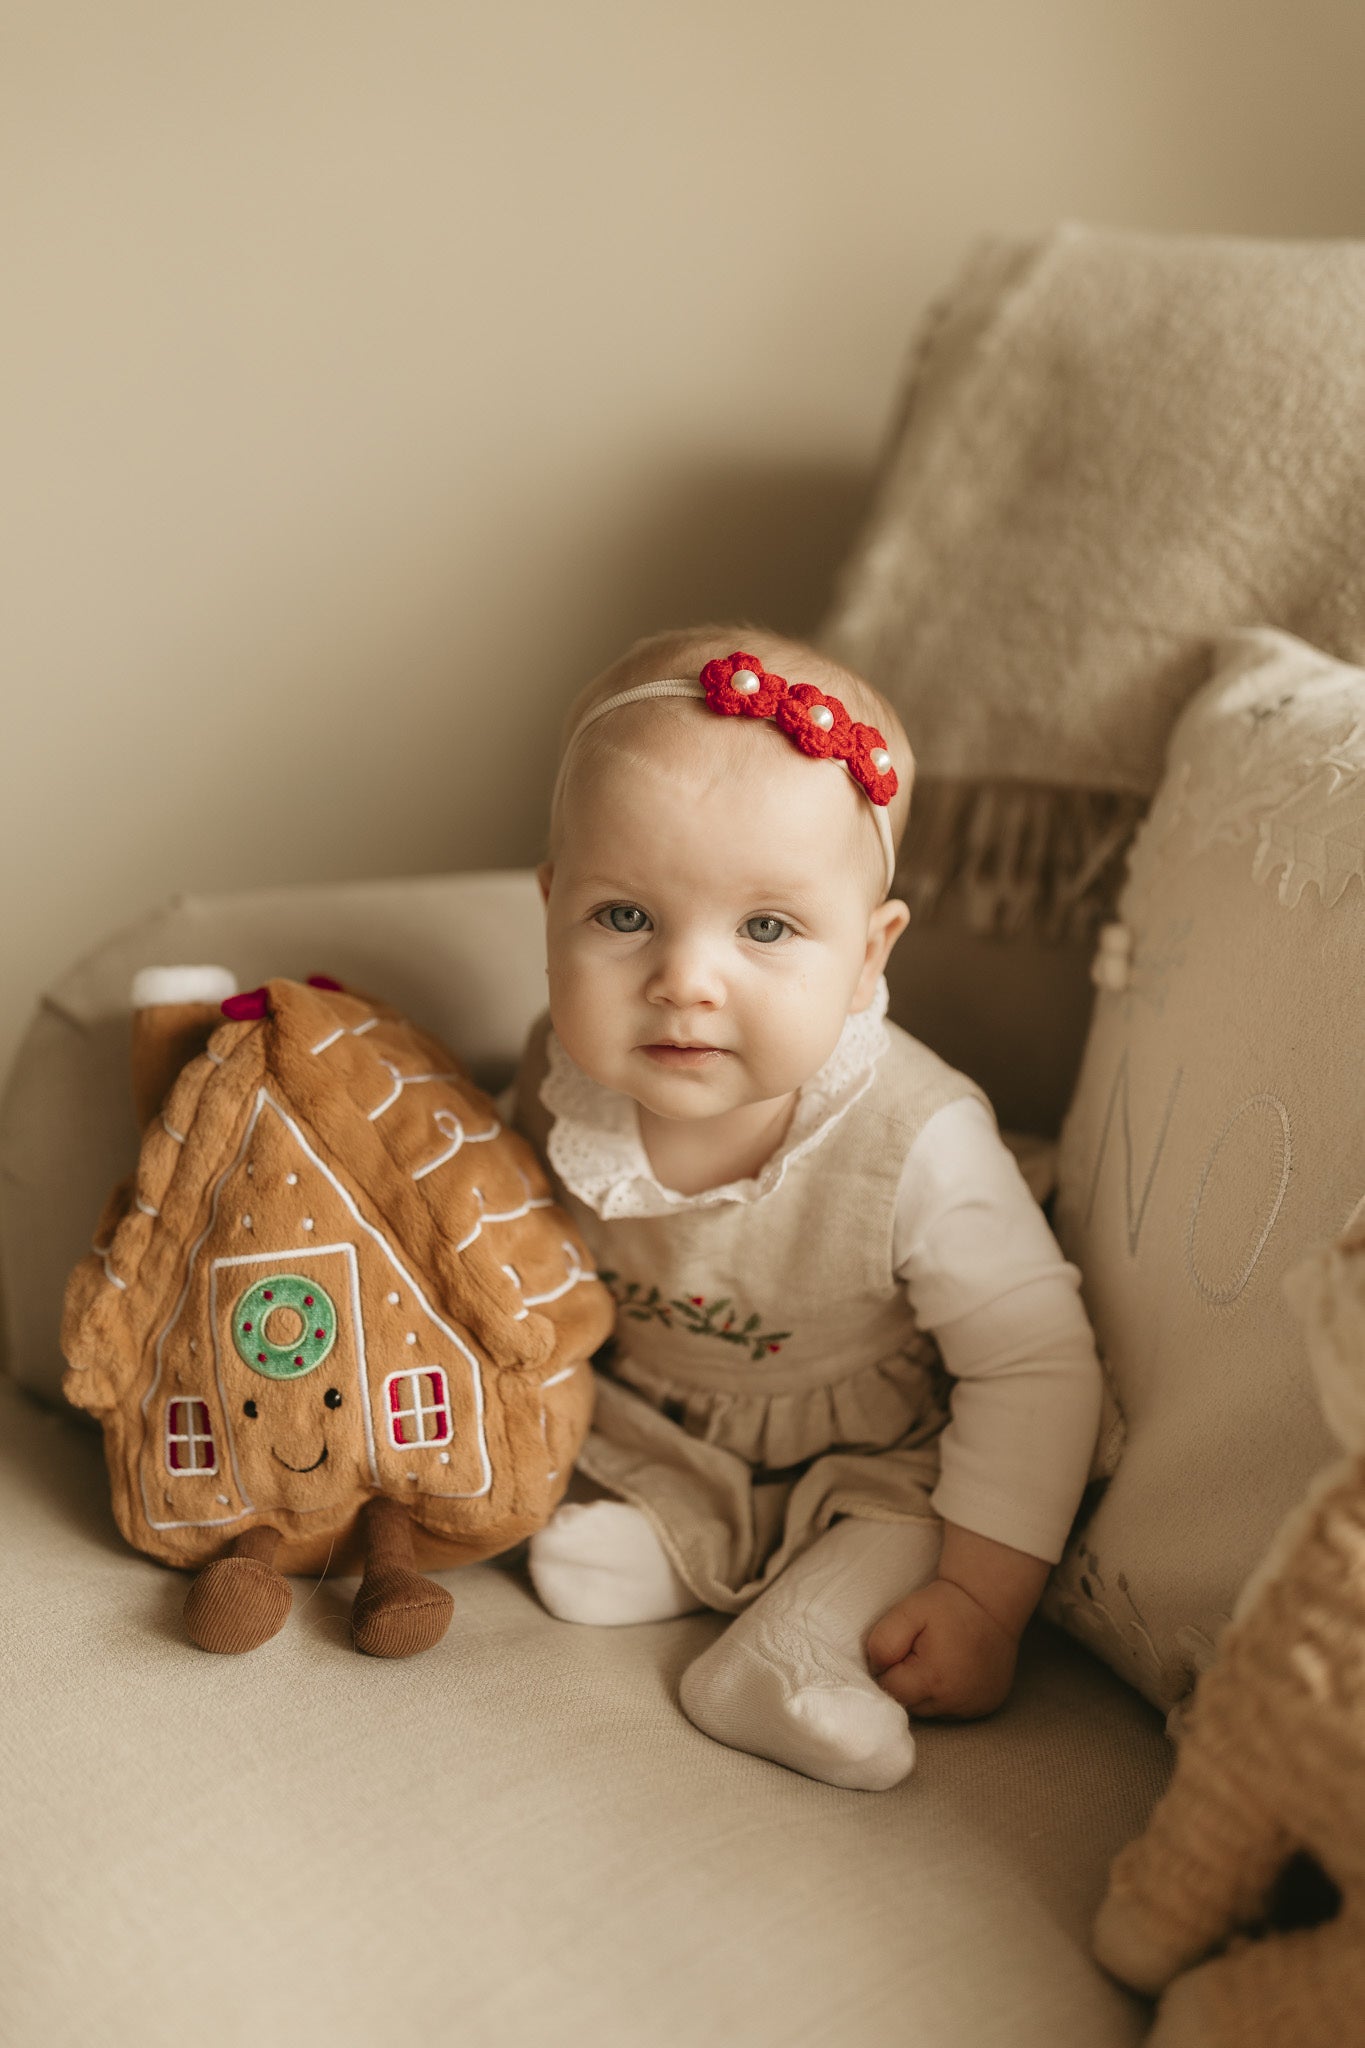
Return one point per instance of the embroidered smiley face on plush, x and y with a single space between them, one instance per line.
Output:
717 887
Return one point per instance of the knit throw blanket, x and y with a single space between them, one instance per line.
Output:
1111 448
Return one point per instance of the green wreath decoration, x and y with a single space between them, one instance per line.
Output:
284 1361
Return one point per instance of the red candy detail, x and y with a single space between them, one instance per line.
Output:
864 740
308 1301
722 696
326 981
319 1333
260 1358
246 1327
269 1295
821 743
298 1361
245 1008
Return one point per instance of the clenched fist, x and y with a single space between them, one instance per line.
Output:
939 1652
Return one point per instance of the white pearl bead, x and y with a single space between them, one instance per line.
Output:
822 716
881 760
746 682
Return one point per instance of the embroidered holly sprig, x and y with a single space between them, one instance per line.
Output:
695 1316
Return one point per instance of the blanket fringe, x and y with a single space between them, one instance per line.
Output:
1015 857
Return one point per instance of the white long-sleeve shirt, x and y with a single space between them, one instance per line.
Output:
984 1272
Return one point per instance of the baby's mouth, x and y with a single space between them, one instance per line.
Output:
666 1053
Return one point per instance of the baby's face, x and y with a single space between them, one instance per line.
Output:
708 922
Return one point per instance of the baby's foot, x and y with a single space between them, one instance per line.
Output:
827 1720
790 1680
601 1562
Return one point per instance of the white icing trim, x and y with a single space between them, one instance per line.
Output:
355 1031
450 1127
595 1148
147 1208
179 1136
554 1380
153 986
401 1082
502 1215
576 1274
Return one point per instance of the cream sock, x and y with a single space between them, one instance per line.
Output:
601 1562
789 1677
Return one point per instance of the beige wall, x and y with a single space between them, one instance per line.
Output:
374 368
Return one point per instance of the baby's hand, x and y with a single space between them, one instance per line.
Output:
939 1652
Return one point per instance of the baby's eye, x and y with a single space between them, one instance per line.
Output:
623 917
766 929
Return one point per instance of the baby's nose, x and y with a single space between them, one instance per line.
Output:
684 973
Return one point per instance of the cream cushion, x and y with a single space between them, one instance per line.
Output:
1217 1134
516 1838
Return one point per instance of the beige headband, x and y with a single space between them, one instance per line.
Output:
680 686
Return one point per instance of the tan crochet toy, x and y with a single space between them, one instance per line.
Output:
1272 1759
333 1319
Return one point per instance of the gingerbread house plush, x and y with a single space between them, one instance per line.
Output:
333 1318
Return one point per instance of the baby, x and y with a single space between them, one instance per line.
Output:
804 1215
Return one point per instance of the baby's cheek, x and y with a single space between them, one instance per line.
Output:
795 1036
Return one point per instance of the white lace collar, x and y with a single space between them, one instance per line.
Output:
596 1149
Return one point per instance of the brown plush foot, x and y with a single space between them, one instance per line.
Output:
239 1601
397 1612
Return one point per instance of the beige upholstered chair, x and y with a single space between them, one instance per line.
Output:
519 1838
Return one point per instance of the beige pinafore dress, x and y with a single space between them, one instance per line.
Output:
767 1373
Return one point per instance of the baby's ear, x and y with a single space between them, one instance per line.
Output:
884 927
1327 1293
545 874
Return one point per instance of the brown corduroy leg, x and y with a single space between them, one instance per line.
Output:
239 1601
397 1612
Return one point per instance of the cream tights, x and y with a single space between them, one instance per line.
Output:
789 1677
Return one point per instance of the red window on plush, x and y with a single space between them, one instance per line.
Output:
419 1407
189 1439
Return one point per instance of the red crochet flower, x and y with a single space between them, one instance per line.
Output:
880 782
721 694
818 724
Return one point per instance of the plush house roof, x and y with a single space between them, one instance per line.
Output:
407 1133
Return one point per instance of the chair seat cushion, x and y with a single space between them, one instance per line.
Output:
515 1838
